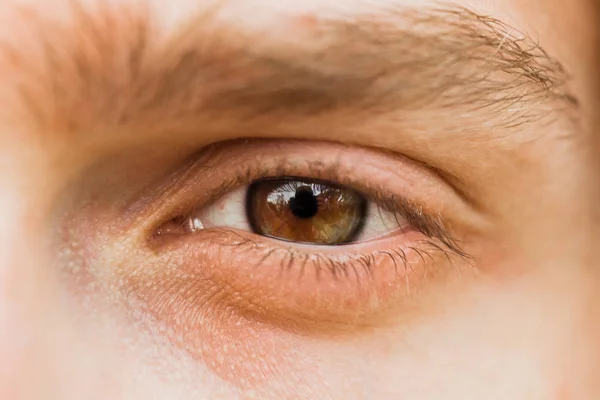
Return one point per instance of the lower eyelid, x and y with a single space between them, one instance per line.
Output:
297 287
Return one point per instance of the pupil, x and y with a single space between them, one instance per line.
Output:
304 204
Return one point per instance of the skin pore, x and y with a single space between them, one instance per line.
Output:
464 124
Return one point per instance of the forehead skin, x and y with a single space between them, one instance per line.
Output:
562 28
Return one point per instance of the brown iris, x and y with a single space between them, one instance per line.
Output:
308 211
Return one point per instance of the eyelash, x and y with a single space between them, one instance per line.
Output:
439 238
365 263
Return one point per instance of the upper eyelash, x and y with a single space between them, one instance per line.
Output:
430 226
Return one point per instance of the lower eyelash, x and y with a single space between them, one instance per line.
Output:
427 251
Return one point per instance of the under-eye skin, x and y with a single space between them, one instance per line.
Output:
334 245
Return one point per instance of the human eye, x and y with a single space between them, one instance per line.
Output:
300 235
299 210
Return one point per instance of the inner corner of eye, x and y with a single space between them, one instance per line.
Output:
178 225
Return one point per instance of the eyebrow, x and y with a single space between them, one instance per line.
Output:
114 69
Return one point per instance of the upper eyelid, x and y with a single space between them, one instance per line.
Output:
207 163
183 192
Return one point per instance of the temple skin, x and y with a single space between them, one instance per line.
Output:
68 146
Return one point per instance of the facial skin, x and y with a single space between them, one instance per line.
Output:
124 122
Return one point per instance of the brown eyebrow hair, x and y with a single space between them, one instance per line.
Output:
113 68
